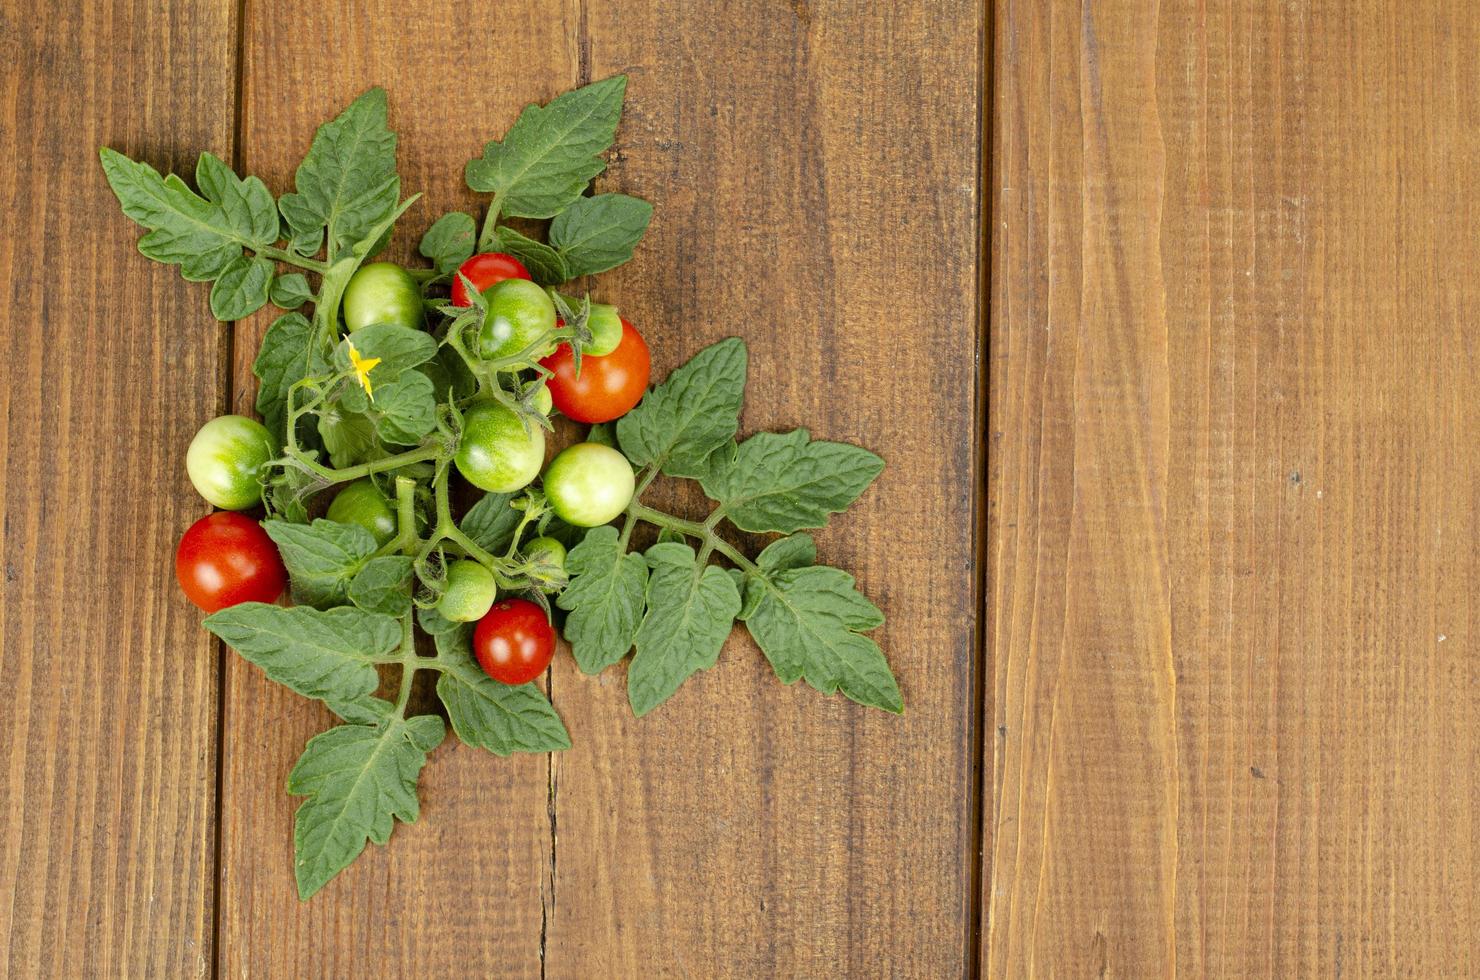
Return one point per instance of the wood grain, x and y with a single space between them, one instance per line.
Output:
814 168
107 764
459 892
1234 491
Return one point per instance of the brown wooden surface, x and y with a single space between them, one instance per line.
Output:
108 685
1234 491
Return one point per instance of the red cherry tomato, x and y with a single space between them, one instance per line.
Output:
608 386
225 559
514 641
485 270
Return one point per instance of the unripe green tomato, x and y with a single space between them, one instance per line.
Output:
547 552
362 503
470 592
518 313
382 292
225 460
605 325
589 484
496 453
543 402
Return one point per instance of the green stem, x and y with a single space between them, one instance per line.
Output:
347 473
710 541
408 662
292 258
490 222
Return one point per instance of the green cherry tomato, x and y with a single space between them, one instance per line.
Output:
470 592
605 325
546 560
543 402
496 452
362 503
225 460
382 292
589 484
518 312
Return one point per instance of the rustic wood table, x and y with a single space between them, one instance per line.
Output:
1165 318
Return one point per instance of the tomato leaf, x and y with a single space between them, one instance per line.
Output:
380 586
290 291
689 615
809 623
690 415
329 655
405 410
185 229
284 359
347 182
321 557
398 348
491 521
359 779
604 598
786 482
242 288
246 204
349 437
551 153
493 716
545 265
449 242
599 233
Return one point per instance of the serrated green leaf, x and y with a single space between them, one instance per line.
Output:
184 228
785 482
545 265
493 716
241 289
380 586
398 348
329 655
491 521
797 551
809 622
283 360
432 622
449 242
347 183
358 779
550 154
291 291
599 233
321 557
684 419
247 205
689 615
604 598
405 410
349 437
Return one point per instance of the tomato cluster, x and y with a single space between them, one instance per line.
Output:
227 558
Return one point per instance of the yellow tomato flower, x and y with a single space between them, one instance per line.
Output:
362 366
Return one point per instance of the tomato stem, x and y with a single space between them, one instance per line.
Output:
292 258
704 533
490 222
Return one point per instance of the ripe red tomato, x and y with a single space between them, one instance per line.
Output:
608 386
225 559
514 641
485 270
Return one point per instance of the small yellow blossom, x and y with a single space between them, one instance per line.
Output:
362 367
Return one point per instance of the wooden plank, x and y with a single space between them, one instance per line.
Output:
459 892
107 765
1234 487
814 171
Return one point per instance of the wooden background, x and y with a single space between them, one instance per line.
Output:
1164 316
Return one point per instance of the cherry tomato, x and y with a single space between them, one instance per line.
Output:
487 269
589 484
382 292
225 459
362 503
605 324
514 642
608 386
496 452
225 559
470 591
518 313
